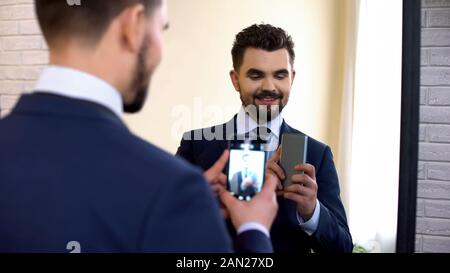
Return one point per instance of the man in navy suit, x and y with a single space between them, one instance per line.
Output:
73 178
245 181
311 214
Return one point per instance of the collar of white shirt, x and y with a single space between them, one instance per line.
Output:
245 123
77 84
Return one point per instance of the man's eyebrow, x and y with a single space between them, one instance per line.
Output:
282 71
254 71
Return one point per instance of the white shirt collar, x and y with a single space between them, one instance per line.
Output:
77 84
245 123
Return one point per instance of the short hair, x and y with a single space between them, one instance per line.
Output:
261 36
88 21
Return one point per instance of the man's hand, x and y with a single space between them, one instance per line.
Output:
214 175
261 209
272 165
216 179
303 190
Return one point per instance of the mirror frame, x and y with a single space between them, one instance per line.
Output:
409 136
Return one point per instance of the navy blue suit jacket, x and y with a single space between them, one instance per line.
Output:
71 171
332 234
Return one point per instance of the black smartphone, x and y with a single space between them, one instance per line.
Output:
246 168
293 152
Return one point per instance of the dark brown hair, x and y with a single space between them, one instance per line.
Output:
88 21
262 36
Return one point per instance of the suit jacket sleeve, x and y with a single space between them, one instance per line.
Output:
253 241
194 221
185 218
332 234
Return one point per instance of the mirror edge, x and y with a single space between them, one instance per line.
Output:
409 136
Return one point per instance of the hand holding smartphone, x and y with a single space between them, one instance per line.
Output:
293 152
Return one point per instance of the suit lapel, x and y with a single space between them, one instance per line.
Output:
229 132
285 128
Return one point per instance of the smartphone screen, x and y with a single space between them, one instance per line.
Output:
246 168
293 152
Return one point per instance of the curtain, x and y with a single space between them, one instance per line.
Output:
370 124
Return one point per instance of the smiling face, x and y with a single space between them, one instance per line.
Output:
264 80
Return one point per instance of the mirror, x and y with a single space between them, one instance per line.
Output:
347 93
406 225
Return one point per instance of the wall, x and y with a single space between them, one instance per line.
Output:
23 51
433 202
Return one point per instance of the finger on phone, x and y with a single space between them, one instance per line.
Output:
217 188
303 179
276 169
270 184
308 169
222 179
294 197
299 190
228 200
277 155
279 186
217 168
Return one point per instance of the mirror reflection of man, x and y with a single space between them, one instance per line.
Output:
245 181
311 214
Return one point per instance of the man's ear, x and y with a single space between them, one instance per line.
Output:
293 76
132 21
235 80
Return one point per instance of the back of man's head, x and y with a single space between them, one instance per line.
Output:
118 41
86 22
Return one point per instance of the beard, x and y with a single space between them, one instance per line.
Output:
140 82
263 113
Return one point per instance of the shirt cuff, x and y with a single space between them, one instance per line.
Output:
311 225
253 226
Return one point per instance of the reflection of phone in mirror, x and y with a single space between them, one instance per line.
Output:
293 152
246 168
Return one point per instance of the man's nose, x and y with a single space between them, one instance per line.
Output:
268 84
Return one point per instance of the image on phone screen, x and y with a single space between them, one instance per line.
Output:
246 169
